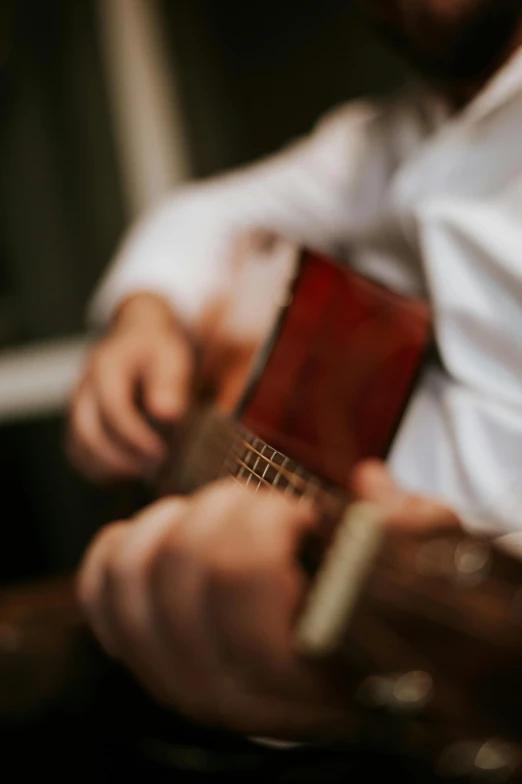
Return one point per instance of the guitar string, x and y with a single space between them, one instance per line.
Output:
302 486
232 461
394 571
236 440
241 444
232 453
290 474
306 487
235 463
251 474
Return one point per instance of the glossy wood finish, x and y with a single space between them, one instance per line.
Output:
340 371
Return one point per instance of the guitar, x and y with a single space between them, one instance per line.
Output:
431 623
298 407
424 630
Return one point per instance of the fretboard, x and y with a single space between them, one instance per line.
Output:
225 448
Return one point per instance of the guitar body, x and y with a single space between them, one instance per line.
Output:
334 379
319 382
299 405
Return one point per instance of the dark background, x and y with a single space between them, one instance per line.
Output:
253 75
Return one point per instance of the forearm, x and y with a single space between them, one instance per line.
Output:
182 250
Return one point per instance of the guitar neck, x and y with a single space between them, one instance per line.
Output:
223 447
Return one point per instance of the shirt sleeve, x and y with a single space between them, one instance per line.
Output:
181 249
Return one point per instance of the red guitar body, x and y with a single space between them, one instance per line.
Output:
332 383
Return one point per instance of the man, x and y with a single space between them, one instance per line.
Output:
198 595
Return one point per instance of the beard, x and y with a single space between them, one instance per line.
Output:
463 44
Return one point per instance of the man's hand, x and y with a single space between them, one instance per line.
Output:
405 511
141 371
199 598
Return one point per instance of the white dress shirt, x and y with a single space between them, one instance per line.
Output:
423 201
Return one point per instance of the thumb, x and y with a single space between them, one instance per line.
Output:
371 481
167 382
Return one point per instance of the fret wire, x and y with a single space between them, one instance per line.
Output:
238 460
268 464
261 456
254 469
279 473
261 479
281 469
238 479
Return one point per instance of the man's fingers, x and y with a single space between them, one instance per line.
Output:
139 375
113 587
178 577
254 584
92 585
197 596
166 382
130 601
116 396
89 446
